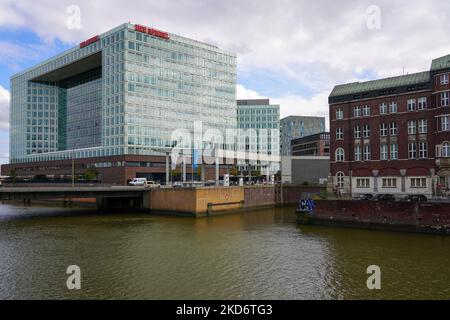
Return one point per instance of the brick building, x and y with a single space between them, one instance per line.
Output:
115 170
316 145
392 135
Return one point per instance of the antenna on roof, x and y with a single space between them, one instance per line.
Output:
403 70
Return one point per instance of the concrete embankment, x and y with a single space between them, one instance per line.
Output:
208 201
395 216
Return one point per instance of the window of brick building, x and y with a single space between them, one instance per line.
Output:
358 153
394 151
423 126
367 152
383 130
445 96
418 182
445 123
412 129
389 182
340 155
366 131
363 183
423 150
366 111
340 180
357 132
411 104
422 103
445 151
384 152
339 134
393 130
393 107
412 150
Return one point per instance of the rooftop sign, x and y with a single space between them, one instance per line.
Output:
151 31
89 41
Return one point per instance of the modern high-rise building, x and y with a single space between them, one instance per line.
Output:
393 135
113 101
261 121
294 127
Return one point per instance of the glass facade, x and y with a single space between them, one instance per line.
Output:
259 122
84 115
121 94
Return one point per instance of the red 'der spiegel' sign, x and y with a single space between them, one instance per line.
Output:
89 41
151 31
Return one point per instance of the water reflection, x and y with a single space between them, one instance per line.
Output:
257 255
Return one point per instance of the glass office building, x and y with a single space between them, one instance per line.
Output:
259 121
120 93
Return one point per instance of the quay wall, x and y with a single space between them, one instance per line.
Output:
397 216
194 201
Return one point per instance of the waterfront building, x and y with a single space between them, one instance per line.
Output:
393 135
294 127
261 121
317 145
113 101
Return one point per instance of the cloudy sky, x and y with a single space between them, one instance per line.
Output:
291 51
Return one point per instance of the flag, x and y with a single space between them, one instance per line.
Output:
194 159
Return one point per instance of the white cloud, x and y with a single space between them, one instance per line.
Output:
313 44
292 105
244 93
4 108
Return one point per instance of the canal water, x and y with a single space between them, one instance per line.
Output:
256 255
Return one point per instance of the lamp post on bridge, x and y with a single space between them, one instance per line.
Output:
73 163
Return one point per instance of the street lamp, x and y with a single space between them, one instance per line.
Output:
73 162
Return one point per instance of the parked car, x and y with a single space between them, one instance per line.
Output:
384 197
416 198
138 182
364 197
210 183
177 184
153 184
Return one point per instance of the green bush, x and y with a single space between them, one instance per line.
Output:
323 195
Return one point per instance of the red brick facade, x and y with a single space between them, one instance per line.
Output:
116 170
432 164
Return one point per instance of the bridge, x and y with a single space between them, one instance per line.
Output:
107 196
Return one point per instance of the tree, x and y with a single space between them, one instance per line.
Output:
91 174
199 171
234 171
256 173
176 173
13 176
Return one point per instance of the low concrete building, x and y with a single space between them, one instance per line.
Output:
300 170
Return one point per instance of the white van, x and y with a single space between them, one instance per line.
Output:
138 182
142 182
